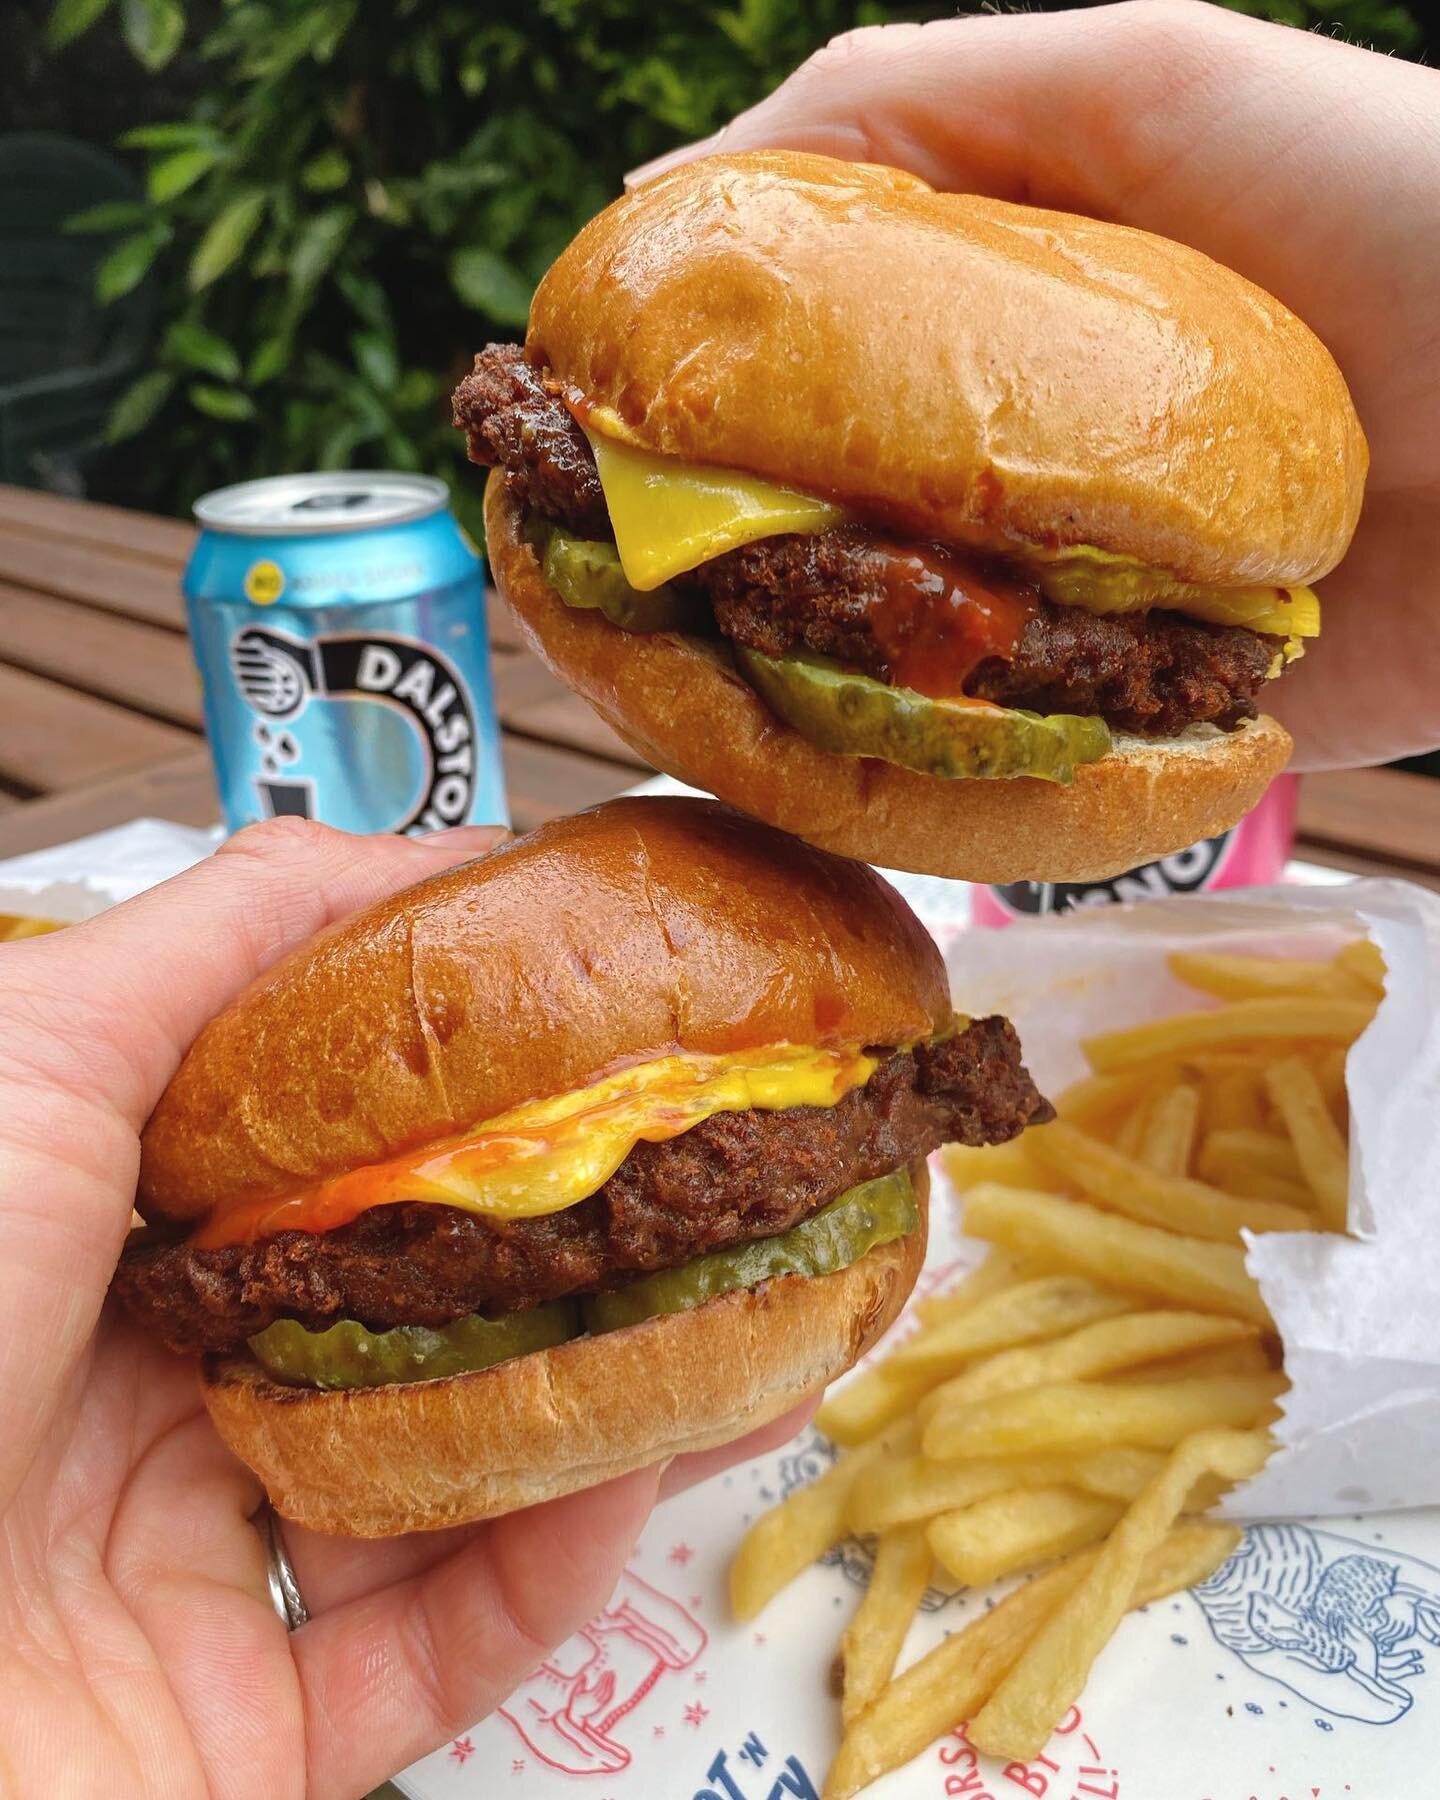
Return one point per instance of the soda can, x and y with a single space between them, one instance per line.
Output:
1248 855
338 621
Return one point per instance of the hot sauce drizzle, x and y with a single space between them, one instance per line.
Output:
939 615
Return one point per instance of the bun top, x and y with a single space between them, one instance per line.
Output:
641 928
959 368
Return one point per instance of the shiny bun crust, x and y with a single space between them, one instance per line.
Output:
641 928
375 1462
679 702
961 368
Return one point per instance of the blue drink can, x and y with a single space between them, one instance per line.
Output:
339 625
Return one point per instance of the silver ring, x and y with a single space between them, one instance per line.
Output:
279 1571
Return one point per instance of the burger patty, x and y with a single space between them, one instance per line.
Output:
733 1178
1152 673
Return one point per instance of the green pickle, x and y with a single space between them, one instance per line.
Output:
839 1234
347 1355
587 574
858 716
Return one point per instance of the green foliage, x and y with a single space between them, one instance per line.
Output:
361 196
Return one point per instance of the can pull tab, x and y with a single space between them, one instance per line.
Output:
352 500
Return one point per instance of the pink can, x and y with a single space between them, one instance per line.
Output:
1251 853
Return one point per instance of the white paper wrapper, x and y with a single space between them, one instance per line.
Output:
1362 1420
75 881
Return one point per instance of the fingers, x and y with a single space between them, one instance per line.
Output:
391 1676
126 993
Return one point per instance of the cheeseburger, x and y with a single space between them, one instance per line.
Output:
950 534
606 1146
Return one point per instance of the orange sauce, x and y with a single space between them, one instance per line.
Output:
942 614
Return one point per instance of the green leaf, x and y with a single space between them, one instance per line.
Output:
224 242
491 285
376 359
271 358
153 29
110 215
318 245
325 172
166 137
170 177
138 405
127 264
220 403
366 296
195 345
69 18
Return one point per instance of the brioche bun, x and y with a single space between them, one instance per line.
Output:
374 1462
679 702
639 929
961 368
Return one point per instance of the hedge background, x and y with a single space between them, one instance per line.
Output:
345 201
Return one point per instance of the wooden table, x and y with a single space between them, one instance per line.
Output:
100 706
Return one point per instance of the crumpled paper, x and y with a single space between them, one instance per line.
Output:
1359 1316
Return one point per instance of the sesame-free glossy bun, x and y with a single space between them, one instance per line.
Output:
374 1462
642 928
681 704
961 368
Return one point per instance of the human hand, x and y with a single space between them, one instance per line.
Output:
139 1652
1310 166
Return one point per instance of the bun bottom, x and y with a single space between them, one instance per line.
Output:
376 1462
680 704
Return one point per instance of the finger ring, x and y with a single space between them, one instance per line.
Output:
279 1570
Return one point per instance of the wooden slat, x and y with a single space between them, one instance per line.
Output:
543 782
144 667
53 738
118 583
104 527
532 703
181 789
1329 857
1379 815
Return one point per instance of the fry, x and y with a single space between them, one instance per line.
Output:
1007 1163
1043 1308
1325 1021
1262 977
875 1636
1168 1141
870 1401
1098 1349
1363 958
1329 1067
1089 1415
13 927
1237 1155
1096 1100
899 1490
997 1270
1210 1277
1174 1202
1231 1099
1247 1358
1030 1700
788 1538
1132 1127
1007 1533
952 1683
1121 1473
1318 1144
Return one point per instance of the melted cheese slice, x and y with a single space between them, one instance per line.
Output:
670 516
549 1154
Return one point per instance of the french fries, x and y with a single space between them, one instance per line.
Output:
1019 1716
14 926
1088 1415
954 1681
1006 1533
874 1637
1175 1202
1109 1368
1189 1271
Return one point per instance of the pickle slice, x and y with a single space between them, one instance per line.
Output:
347 1355
957 739
839 1234
587 574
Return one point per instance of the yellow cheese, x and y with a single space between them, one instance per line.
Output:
670 516
548 1154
